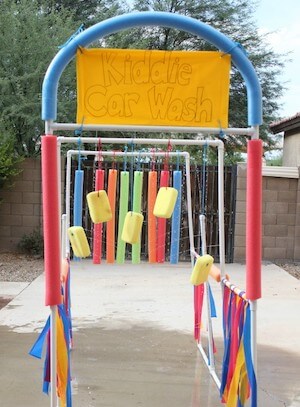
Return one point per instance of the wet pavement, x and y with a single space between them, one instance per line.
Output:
133 343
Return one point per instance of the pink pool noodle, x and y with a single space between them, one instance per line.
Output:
162 223
254 219
97 233
51 221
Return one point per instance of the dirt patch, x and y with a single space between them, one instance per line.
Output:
4 301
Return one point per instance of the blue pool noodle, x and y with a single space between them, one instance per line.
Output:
175 230
78 192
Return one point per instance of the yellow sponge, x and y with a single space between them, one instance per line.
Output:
79 241
165 202
201 269
99 206
132 227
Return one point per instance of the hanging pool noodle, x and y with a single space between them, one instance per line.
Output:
110 228
123 209
78 192
152 192
136 207
97 232
175 231
162 223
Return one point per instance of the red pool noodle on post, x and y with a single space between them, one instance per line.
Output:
162 223
97 232
110 228
254 219
152 192
51 221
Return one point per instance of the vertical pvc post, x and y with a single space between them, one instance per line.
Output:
63 236
152 192
110 228
253 237
175 230
98 227
53 356
189 206
221 207
137 207
68 200
209 321
52 249
162 223
123 209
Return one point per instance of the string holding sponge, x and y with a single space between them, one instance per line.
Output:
165 202
79 241
201 269
99 206
132 227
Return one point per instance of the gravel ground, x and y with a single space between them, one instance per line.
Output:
20 267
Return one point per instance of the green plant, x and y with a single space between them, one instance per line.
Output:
32 243
8 162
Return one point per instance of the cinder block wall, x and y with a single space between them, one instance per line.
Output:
281 218
20 210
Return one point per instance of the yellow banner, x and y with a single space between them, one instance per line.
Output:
138 87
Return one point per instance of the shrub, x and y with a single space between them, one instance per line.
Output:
32 243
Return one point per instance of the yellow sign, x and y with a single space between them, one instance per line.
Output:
138 87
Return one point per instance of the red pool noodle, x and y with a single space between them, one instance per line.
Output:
51 221
254 219
110 229
162 223
97 232
152 192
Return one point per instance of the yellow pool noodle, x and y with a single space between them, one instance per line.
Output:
79 241
201 269
99 206
132 227
165 202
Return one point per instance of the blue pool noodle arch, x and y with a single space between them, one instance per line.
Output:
152 18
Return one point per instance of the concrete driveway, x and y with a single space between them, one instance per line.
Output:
133 343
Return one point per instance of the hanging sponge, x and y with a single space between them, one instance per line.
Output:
201 269
132 227
165 202
99 206
79 241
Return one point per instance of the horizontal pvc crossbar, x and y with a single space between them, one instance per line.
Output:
153 141
249 131
164 19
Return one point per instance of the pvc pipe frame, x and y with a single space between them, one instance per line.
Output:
211 361
171 20
186 155
213 143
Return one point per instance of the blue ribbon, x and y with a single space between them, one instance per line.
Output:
213 312
37 348
248 357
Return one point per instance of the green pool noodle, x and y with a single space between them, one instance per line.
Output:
123 209
136 207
